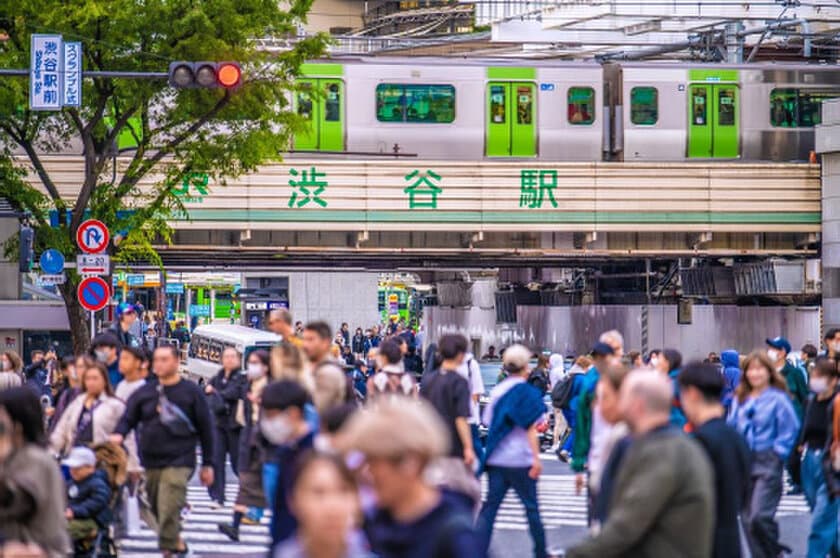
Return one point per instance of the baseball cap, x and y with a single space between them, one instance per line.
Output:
80 456
602 349
517 357
124 308
779 343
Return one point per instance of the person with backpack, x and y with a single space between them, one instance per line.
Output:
564 396
556 374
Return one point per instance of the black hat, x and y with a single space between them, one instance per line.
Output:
602 349
106 339
283 395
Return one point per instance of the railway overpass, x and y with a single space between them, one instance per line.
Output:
420 213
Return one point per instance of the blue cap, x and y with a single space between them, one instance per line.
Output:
125 307
780 343
602 349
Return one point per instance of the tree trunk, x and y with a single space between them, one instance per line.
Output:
77 317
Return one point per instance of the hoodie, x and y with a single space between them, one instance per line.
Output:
729 359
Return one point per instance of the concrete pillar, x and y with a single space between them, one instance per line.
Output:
828 145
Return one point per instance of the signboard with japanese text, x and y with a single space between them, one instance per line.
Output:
93 264
45 84
71 95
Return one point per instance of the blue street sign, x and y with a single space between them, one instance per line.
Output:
135 280
200 310
175 288
52 262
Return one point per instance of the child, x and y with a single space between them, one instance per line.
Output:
88 496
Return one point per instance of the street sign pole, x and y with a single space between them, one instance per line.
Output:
92 325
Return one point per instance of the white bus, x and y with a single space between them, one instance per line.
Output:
208 342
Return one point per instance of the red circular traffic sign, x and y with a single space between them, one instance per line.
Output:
93 293
92 236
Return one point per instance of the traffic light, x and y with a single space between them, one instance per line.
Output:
204 75
27 249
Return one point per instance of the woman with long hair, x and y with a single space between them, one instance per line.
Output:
92 417
11 370
763 414
287 364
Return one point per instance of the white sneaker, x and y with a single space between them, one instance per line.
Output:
214 505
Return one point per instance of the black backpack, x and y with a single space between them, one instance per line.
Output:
561 393
539 380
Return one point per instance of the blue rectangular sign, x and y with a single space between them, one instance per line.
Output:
71 94
45 83
546 87
200 310
175 288
135 280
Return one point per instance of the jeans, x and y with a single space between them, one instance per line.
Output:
759 516
571 419
823 537
270 476
478 445
167 489
500 479
227 443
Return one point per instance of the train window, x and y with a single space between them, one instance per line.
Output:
332 108
644 106
497 103
797 108
415 103
304 102
698 106
524 105
581 105
726 107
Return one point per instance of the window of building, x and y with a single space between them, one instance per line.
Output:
415 103
797 108
581 105
644 106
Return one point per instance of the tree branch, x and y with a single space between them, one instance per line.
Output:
42 173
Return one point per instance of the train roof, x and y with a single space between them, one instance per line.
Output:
489 61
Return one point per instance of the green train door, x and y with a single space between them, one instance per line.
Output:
321 103
713 121
511 119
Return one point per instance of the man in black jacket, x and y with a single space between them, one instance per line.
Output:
167 443
224 392
701 386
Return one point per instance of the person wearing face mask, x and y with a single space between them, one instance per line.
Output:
816 432
288 435
10 376
250 498
105 349
226 392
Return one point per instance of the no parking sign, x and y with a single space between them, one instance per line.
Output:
93 293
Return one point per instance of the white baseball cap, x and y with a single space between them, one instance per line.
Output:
80 456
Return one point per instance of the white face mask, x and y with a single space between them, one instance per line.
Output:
101 356
773 355
276 430
254 371
654 362
818 385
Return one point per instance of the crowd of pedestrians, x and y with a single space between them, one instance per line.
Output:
361 444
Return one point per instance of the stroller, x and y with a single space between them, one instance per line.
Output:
112 459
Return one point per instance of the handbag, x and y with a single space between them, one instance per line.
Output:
131 513
173 418
217 404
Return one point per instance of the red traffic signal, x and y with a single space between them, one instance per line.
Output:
205 75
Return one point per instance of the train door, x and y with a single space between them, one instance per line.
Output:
321 103
511 119
713 121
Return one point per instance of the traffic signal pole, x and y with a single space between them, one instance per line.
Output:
95 74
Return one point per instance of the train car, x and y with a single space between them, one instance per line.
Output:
474 109
759 112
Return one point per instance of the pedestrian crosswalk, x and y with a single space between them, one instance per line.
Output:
560 507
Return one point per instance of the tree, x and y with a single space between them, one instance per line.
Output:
175 135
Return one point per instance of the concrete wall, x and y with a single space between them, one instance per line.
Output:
573 330
335 297
828 144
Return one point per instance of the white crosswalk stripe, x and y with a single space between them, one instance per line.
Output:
559 507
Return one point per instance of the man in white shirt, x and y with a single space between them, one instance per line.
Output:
471 371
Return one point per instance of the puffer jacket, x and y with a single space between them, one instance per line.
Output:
731 375
90 498
106 416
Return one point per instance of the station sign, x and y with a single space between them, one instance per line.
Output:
175 288
55 72
93 264
200 310
93 293
135 280
92 236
